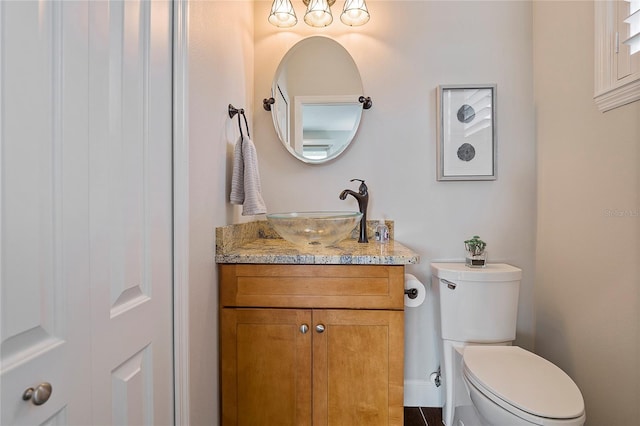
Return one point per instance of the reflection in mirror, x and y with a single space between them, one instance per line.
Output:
316 91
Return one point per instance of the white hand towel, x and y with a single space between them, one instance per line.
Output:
245 180
237 178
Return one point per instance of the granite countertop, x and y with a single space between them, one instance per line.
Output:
257 242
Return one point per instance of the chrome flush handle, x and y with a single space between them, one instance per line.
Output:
450 285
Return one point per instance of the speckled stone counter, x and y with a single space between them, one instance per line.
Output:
257 242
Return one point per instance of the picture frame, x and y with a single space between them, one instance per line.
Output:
466 132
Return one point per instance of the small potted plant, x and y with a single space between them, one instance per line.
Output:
476 255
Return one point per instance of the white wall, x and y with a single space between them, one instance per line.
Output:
587 164
404 52
220 72
587 275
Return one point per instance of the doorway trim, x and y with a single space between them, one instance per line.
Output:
181 211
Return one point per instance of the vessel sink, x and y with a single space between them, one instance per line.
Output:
314 229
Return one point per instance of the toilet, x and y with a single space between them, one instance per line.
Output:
487 380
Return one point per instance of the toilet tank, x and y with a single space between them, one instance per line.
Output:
477 304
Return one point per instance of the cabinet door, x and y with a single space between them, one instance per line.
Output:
266 367
358 367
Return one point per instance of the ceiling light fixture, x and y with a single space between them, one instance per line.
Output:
318 13
355 13
282 14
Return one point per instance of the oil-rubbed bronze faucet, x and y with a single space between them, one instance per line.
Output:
363 200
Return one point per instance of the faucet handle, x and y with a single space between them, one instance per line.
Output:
363 186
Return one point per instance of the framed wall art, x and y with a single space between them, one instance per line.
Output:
466 132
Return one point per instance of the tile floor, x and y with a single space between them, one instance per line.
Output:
422 416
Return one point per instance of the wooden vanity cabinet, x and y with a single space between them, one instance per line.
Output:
312 344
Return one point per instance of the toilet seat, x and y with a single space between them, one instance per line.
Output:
522 383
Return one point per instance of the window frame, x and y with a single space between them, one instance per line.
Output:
610 91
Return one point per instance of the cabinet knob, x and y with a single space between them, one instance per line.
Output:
304 328
39 395
320 328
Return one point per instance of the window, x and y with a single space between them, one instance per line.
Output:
632 20
617 53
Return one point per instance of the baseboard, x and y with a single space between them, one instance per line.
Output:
422 393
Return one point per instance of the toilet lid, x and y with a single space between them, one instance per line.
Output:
524 380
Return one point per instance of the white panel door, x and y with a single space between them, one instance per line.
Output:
44 245
130 210
85 126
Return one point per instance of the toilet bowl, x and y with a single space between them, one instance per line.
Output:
510 386
487 381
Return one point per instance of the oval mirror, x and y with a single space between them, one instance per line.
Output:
316 92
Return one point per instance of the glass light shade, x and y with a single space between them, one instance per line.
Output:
318 13
282 14
355 13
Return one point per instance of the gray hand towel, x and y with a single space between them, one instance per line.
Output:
245 180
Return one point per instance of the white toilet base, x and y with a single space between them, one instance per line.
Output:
467 415
456 392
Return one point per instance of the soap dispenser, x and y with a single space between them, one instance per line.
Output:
382 233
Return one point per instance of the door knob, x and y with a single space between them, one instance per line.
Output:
304 328
39 395
320 328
